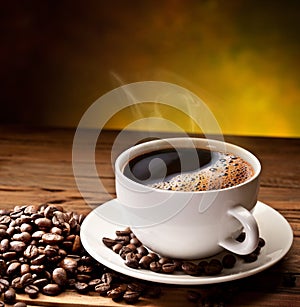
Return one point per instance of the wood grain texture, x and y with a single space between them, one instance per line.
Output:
36 168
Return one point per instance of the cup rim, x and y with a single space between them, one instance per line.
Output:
145 147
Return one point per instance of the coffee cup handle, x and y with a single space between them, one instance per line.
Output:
250 228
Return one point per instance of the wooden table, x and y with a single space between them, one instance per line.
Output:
36 168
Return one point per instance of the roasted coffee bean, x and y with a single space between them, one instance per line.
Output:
9 296
59 276
168 268
131 297
142 250
136 286
24 269
5 219
164 260
52 238
154 256
69 264
122 239
83 278
102 288
38 260
4 285
257 250
132 247
261 242
37 268
16 284
76 244
123 251
228 261
135 241
190 268
51 289
4 245
25 227
23 236
250 258
131 260
31 251
85 269
93 283
109 242
20 304
124 232
117 247
107 278
56 230
17 246
40 283
38 234
145 261
241 237
214 267
178 264
13 268
117 292
155 266
81 287
32 291
26 279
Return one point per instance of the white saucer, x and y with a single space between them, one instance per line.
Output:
273 227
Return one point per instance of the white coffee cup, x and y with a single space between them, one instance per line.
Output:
190 225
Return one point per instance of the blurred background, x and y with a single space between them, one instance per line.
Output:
241 57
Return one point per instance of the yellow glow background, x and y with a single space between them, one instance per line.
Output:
240 56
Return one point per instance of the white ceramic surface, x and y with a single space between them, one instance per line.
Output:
273 227
189 224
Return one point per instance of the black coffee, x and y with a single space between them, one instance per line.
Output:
188 169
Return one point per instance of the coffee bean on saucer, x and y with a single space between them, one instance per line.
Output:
145 262
123 251
142 250
135 241
261 242
228 261
190 268
214 267
201 266
250 257
241 237
131 260
155 266
117 247
154 256
124 232
109 242
168 268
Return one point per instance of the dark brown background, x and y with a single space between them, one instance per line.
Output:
241 56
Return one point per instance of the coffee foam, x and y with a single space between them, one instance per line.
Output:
224 172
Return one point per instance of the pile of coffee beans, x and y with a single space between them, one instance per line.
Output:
137 256
41 252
